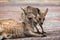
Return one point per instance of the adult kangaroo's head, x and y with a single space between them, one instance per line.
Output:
30 12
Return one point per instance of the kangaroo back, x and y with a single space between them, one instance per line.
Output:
11 27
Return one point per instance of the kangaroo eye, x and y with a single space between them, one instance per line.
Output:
39 18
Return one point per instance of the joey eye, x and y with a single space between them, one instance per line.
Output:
44 19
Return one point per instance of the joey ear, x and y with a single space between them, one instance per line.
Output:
44 12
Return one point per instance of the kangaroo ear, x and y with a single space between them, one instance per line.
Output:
44 12
23 9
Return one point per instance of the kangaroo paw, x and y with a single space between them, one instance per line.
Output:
43 32
43 35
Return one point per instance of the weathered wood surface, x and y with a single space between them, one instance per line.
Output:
51 24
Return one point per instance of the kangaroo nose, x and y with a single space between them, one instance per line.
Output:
41 23
29 18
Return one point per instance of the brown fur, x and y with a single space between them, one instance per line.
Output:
12 28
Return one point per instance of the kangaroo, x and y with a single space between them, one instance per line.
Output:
13 29
41 17
38 18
